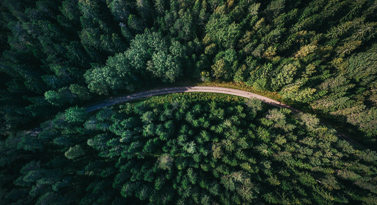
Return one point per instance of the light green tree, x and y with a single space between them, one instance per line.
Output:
74 152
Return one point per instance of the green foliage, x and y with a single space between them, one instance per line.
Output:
57 50
74 152
318 55
81 92
165 67
75 114
59 98
231 150
225 64
285 76
222 31
111 77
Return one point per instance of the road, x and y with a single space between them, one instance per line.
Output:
205 89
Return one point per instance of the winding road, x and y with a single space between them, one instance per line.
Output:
206 89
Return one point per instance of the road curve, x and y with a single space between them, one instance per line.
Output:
205 89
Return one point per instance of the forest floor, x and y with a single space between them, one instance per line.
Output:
163 91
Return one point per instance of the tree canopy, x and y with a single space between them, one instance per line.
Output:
58 56
189 149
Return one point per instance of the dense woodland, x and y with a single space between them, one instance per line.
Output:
59 56
318 54
187 149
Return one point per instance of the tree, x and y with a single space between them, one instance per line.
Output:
293 91
93 40
135 24
151 52
365 120
254 104
81 92
216 149
30 142
285 76
119 9
259 78
99 142
70 11
59 98
275 8
115 76
222 31
74 152
76 114
225 64
165 67
165 162
219 68
160 6
362 68
147 117
145 9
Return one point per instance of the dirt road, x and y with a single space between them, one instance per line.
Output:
205 89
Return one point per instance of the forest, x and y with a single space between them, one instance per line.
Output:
188 149
58 56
